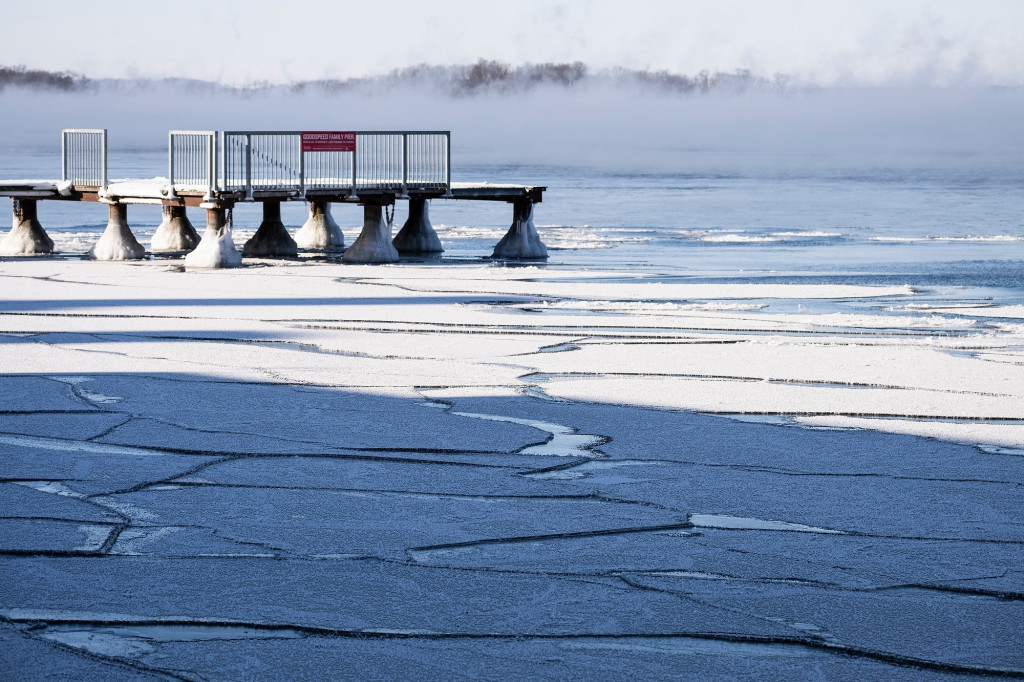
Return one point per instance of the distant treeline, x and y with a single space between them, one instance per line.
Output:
35 78
498 77
461 80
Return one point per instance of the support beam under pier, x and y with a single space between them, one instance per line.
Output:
417 235
117 242
216 249
521 240
27 237
272 238
320 232
374 243
175 233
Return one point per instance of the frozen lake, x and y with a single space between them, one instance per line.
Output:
758 415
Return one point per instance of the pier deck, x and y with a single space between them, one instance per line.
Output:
155 191
216 170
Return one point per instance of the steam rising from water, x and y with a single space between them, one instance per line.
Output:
565 115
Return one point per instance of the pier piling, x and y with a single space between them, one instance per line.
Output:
272 238
175 233
27 237
417 234
320 231
521 240
117 242
374 243
216 249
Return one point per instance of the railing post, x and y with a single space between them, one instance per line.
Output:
355 153
103 159
405 163
302 169
170 161
248 167
448 162
222 180
63 156
209 164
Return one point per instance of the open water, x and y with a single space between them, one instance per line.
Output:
949 223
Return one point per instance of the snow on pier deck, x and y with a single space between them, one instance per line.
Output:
216 170
157 191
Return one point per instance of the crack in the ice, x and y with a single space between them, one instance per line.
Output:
550 536
60 519
408 493
281 344
671 333
1002 595
111 540
217 432
73 385
57 487
881 536
119 662
565 466
127 420
167 479
279 552
52 553
577 497
542 376
22 413
810 641
57 279
562 441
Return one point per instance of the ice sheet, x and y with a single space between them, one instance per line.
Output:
355 460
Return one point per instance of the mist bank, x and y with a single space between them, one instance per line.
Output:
564 117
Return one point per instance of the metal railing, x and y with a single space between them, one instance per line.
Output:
253 161
83 154
192 160
327 170
262 160
428 160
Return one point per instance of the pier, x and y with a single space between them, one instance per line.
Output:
215 170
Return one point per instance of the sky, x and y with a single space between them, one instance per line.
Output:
814 42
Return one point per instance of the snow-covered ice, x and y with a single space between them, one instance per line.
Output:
273 469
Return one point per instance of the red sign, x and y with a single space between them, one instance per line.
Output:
328 141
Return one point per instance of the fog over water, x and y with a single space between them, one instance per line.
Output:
617 124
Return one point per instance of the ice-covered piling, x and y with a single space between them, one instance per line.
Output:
117 242
521 240
417 234
216 249
175 233
27 237
272 238
374 243
320 232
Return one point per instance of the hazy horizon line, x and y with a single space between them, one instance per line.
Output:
483 77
